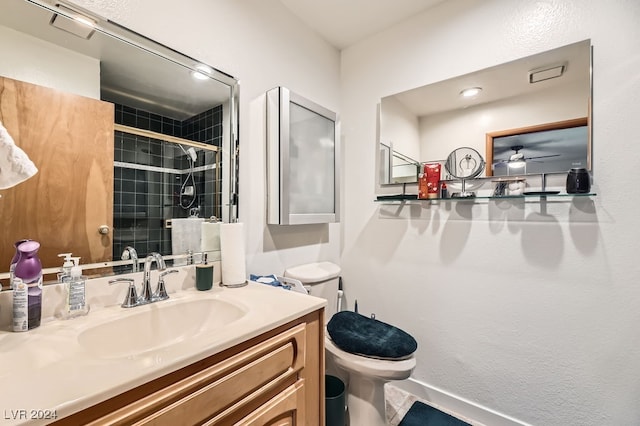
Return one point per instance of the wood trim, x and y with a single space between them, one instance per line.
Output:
163 137
565 124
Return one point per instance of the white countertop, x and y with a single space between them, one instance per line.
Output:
46 371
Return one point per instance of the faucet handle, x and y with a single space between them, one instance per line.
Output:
131 299
161 290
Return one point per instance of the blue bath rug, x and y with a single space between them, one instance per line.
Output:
424 415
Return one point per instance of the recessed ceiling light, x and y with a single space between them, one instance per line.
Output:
202 72
470 92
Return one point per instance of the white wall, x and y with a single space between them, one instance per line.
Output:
401 127
36 61
531 317
263 45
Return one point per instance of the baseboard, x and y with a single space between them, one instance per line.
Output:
459 407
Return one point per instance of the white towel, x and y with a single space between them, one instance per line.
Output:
210 236
185 236
15 165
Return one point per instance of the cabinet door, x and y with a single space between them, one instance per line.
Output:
285 409
303 160
70 140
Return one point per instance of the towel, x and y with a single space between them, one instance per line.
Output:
210 239
185 236
271 280
15 165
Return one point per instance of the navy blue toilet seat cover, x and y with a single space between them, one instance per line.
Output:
358 334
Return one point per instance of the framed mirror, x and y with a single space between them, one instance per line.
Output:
136 144
510 99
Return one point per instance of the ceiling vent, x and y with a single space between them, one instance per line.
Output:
546 73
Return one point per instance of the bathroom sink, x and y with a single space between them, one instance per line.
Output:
156 326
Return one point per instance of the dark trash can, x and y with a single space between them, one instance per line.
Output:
335 401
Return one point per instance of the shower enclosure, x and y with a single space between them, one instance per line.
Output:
170 169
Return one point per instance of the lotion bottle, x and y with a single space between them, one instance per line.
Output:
75 300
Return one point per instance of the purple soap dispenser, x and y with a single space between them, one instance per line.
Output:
27 311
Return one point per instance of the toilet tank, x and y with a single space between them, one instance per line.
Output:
321 280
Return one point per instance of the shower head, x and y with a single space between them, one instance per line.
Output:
191 152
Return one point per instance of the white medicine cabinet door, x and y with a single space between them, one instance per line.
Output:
302 160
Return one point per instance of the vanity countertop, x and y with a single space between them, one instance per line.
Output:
48 372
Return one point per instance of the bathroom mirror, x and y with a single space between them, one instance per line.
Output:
162 150
395 167
431 121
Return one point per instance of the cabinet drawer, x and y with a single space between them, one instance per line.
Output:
285 409
223 389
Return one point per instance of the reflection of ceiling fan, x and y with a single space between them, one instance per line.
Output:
518 158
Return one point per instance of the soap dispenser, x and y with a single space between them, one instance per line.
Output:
204 274
75 300
65 272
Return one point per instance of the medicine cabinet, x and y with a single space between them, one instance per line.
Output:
302 161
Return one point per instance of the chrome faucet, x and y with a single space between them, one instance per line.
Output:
147 294
131 299
130 253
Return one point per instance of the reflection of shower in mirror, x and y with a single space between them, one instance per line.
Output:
188 190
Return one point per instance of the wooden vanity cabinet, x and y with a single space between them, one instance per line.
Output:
274 379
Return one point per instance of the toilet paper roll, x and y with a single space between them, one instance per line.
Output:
232 255
210 236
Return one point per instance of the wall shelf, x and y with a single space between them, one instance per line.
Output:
531 196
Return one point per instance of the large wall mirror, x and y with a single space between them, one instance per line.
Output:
136 144
535 110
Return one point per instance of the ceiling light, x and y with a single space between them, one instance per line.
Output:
547 73
202 72
73 22
470 92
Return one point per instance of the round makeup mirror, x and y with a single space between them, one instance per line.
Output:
464 163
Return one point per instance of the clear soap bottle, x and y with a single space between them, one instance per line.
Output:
65 272
76 298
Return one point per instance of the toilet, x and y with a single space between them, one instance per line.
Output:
365 376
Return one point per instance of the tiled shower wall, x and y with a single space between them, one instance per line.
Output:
149 174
